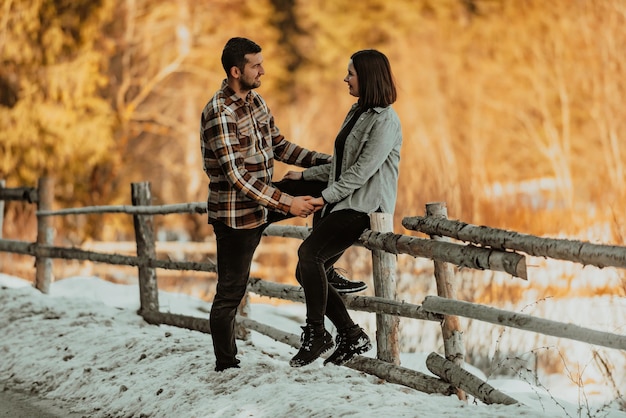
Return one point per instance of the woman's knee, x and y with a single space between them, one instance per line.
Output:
298 275
304 253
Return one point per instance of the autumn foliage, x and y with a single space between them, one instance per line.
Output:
512 109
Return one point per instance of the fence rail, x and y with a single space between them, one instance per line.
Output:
585 253
49 252
488 249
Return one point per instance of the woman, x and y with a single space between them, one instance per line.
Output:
362 178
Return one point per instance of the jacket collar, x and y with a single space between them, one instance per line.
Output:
376 109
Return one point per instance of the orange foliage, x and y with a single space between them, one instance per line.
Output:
491 92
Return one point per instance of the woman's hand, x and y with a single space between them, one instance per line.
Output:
293 175
318 203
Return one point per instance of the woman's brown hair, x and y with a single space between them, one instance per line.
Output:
376 84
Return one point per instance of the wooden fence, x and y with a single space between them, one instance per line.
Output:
485 249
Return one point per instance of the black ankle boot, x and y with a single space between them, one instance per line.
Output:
350 342
315 342
342 284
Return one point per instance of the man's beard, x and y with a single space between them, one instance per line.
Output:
245 85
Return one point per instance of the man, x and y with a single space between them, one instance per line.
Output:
239 144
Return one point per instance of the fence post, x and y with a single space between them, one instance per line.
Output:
43 265
2 184
446 288
384 274
146 249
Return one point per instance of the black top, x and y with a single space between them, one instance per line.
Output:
340 141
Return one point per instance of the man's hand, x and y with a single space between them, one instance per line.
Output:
301 206
293 175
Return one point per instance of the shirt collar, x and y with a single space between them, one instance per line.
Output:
376 109
228 91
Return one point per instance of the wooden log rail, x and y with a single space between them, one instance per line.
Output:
287 231
357 303
563 249
192 207
461 378
453 376
27 248
460 255
525 322
390 372
494 253
27 194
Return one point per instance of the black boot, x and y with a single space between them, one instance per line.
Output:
315 342
350 342
220 367
342 284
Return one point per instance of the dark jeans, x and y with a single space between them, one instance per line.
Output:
330 237
235 249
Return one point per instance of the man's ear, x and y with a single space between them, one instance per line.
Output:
235 72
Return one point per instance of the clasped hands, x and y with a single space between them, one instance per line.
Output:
303 206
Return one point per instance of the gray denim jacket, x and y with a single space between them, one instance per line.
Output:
369 170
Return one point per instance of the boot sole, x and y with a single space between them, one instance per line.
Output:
352 290
359 350
301 363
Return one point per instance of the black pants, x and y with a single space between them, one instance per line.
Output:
235 249
330 237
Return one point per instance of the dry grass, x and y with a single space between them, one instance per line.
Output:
529 90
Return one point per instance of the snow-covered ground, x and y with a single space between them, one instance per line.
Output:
84 346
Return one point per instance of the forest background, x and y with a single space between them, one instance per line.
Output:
512 110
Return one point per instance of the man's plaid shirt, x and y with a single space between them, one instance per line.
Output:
239 143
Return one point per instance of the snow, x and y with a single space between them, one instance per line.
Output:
84 346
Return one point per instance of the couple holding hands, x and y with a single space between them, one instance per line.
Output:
240 143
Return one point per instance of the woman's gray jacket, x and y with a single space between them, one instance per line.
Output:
369 169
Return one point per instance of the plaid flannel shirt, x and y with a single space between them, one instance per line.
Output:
239 143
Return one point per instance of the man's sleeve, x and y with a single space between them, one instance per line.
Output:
290 153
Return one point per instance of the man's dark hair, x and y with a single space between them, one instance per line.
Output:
376 84
234 53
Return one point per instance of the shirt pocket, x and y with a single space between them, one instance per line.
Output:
264 131
354 144
247 138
